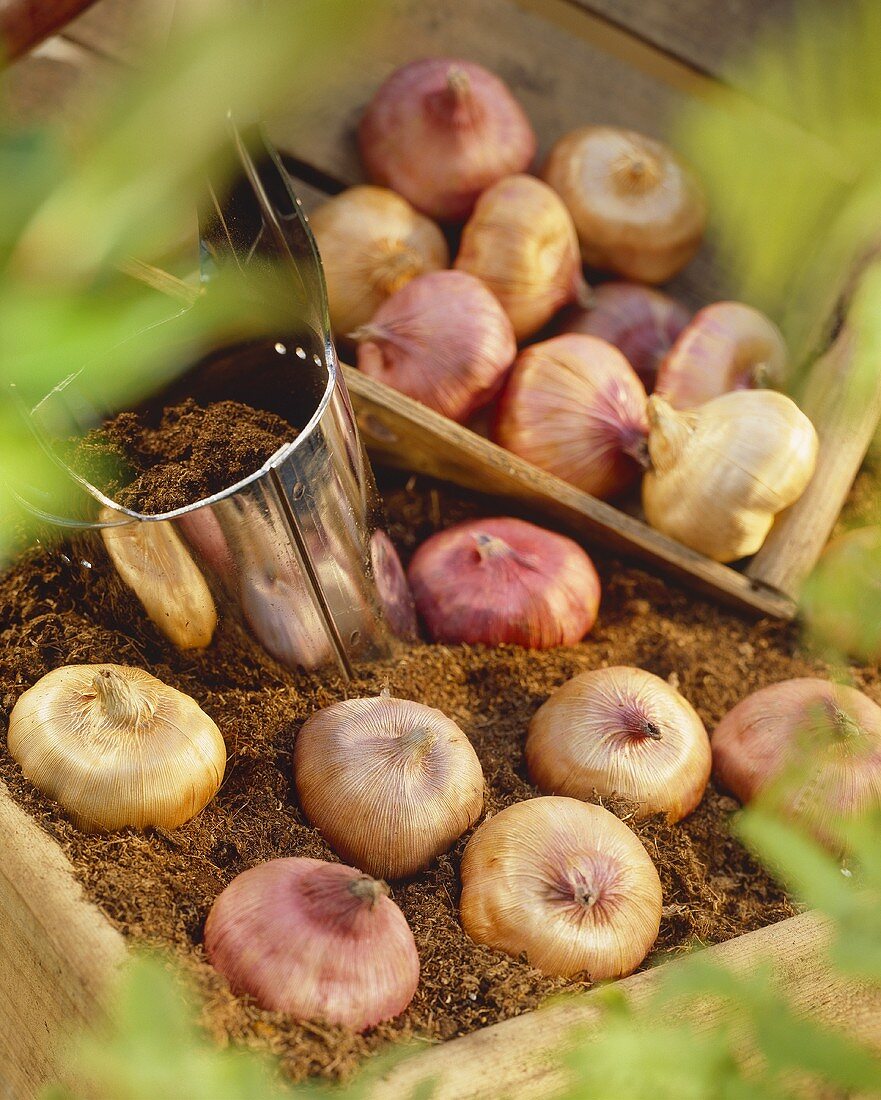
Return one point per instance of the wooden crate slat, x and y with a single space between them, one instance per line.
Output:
520 1057
59 71
563 82
707 36
56 952
401 432
845 411
122 29
25 23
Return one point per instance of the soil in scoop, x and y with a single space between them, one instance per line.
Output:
158 887
191 453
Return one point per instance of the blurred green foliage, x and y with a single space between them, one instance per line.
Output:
712 1033
128 186
150 1048
793 166
842 599
153 1049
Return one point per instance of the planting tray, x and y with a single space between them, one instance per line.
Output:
569 61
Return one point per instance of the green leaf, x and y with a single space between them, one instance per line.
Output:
791 166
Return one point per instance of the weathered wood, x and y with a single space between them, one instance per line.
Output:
710 37
562 78
57 72
562 81
615 38
401 432
751 591
519 1057
845 409
57 951
25 23
122 29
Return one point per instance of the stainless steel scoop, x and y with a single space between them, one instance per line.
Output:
294 553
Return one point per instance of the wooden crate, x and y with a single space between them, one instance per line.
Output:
563 58
570 61
57 949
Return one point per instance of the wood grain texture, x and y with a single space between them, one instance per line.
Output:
709 37
57 951
25 23
845 409
560 64
562 80
57 72
123 29
401 432
517 1058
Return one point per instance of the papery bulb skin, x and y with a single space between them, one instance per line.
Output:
575 407
621 731
440 131
504 581
392 587
520 241
372 242
720 473
841 601
153 560
565 882
727 346
390 783
116 748
641 322
639 209
443 340
318 941
816 743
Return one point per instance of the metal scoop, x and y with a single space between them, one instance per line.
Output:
294 552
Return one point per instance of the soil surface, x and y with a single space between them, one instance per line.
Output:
62 605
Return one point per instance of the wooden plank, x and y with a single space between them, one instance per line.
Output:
709 37
845 411
561 74
614 38
520 1057
563 81
25 23
401 432
57 72
57 951
122 29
